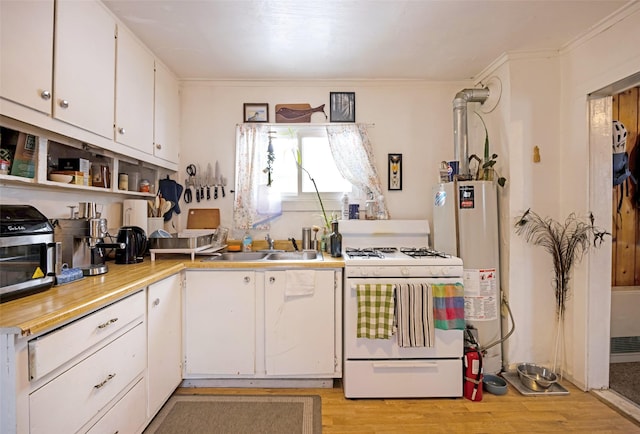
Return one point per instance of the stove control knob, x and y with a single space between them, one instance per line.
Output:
404 271
434 271
376 271
363 272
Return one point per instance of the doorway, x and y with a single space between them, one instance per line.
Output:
624 368
604 201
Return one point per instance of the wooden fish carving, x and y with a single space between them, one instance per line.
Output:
295 113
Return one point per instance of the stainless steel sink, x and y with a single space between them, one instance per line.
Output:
307 255
239 256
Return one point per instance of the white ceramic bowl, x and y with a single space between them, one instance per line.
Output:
59 177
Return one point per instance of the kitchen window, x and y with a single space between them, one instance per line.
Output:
293 183
339 158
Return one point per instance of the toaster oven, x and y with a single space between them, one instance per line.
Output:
27 252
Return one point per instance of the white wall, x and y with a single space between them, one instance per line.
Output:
411 118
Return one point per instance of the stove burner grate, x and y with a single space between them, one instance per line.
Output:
369 252
422 252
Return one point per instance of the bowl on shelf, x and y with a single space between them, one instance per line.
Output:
59 177
494 384
536 377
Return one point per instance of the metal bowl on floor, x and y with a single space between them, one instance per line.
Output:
535 377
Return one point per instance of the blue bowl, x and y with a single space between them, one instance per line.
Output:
494 384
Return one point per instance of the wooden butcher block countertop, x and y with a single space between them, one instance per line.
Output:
43 311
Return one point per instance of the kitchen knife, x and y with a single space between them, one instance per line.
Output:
209 174
224 182
216 181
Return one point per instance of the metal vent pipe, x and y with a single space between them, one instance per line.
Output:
460 131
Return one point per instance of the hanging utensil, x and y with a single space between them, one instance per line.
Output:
224 182
191 172
201 182
216 181
209 180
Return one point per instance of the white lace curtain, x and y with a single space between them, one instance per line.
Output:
351 150
353 154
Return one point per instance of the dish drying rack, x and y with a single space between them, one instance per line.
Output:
191 241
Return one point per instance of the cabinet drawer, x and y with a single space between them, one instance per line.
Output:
70 400
403 378
127 416
50 351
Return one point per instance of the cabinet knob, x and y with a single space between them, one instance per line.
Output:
64 103
247 279
45 94
156 302
121 130
272 279
158 146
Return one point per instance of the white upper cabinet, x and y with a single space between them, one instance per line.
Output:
167 115
26 44
84 66
134 93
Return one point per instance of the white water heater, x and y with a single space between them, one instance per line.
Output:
465 224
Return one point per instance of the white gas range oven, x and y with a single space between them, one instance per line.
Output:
396 252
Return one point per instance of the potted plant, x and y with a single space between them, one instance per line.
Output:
486 169
566 243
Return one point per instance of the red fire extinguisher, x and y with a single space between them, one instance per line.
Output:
472 389
472 384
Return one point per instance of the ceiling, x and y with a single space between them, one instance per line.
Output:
435 40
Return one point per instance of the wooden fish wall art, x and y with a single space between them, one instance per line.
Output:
296 113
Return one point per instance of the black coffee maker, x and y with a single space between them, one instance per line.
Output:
135 245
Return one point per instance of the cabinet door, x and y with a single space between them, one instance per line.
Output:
220 311
167 115
164 315
299 329
26 44
134 93
84 66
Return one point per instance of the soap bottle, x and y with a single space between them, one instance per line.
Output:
246 242
336 240
345 206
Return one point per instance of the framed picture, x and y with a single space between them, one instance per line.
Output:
395 171
255 112
342 106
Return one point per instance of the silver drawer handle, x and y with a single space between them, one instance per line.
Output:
121 130
158 146
45 94
108 323
64 103
105 381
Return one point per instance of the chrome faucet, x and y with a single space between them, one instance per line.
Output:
269 241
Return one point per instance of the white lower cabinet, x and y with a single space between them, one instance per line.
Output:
251 324
299 326
127 416
164 338
70 400
220 328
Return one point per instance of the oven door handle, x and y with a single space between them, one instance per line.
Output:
404 364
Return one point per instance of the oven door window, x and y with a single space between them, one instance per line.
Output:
19 264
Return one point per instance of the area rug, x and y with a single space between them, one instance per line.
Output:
239 414
624 378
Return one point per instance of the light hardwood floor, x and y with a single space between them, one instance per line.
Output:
511 413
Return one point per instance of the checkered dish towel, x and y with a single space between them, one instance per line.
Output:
376 307
448 306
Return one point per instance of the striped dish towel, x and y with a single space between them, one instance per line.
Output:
375 311
414 315
448 305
